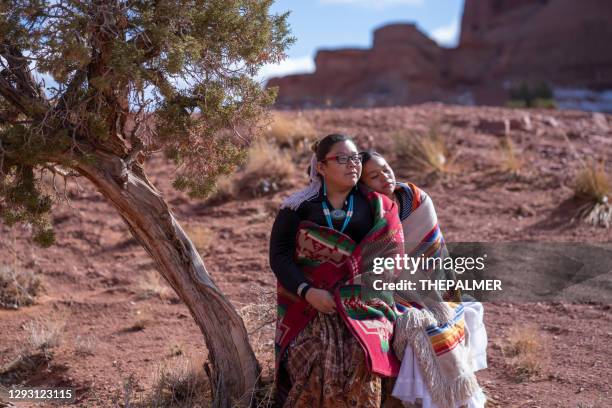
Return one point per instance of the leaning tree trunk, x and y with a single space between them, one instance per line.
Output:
235 369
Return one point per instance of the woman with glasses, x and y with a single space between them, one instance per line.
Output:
329 351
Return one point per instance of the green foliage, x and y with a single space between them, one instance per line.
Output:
525 96
189 65
22 201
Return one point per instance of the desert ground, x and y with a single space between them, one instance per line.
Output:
117 328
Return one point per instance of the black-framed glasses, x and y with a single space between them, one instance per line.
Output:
344 158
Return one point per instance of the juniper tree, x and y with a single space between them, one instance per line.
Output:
91 88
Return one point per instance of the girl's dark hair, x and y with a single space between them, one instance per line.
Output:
323 146
368 154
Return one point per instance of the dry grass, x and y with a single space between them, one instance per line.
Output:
260 317
428 153
527 352
202 237
260 397
261 312
85 345
180 384
152 284
176 350
225 189
289 131
508 156
142 319
18 287
44 334
592 186
266 171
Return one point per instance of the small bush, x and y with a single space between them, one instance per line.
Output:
24 366
267 170
182 384
143 319
225 189
592 187
425 153
289 132
525 95
527 351
202 237
260 313
44 334
541 103
85 345
18 287
152 284
509 157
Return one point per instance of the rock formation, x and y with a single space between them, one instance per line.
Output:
564 43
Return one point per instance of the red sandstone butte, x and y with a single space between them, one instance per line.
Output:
565 43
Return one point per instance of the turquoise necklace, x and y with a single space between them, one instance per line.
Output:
337 214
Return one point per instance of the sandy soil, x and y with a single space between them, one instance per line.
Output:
93 275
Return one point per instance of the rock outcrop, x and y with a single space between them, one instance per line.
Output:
564 43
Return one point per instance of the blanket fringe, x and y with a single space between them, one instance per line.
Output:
441 311
445 393
406 327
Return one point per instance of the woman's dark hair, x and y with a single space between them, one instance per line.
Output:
323 146
368 154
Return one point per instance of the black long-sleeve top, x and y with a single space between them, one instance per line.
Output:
284 231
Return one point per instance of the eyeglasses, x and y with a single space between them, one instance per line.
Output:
344 158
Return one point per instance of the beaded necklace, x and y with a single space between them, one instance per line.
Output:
336 214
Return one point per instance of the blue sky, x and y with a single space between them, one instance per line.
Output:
332 24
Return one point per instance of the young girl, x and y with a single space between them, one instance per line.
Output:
440 339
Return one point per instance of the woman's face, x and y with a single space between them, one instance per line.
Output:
341 175
378 175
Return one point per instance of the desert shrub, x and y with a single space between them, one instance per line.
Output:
142 319
429 152
267 170
525 95
289 131
44 334
593 188
85 345
509 158
225 189
18 287
527 352
152 284
202 237
180 384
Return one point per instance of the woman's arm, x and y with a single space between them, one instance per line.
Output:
282 249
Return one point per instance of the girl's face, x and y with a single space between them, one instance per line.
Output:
342 166
378 175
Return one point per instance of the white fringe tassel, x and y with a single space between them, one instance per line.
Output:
410 328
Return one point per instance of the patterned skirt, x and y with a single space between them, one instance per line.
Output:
327 368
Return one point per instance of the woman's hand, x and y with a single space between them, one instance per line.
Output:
321 300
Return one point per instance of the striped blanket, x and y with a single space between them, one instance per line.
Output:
432 322
333 261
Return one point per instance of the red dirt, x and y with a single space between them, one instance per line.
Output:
92 274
